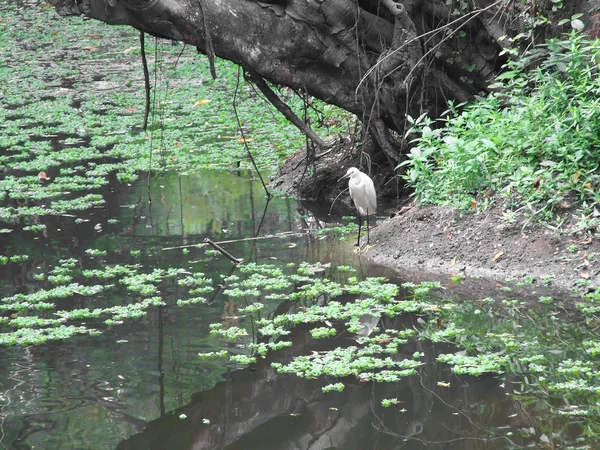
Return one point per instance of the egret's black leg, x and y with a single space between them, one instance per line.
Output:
368 226
359 224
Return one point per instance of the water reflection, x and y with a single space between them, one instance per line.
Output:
141 385
256 408
94 392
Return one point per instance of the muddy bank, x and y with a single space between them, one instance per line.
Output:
443 241
424 243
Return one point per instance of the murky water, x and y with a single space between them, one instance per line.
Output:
129 387
95 392
141 384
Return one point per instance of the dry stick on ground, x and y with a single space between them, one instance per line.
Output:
146 79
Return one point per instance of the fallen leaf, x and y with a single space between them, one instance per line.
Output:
91 48
204 101
443 384
43 177
438 323
452 262
292 245
242 140
497 256
95 36
130 49
584 275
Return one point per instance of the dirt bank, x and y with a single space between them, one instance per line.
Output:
441 243
441 240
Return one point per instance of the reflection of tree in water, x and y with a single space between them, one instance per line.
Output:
257 408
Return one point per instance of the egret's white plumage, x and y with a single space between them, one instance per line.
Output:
362 191
363 195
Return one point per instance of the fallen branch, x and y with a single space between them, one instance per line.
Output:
233 241
224 252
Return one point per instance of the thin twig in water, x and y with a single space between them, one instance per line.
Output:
233 241
221 250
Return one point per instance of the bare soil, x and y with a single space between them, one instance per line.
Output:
468 249
444 241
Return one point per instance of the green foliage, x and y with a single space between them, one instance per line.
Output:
533 143
323 332
387 402
475 365
242 359
219 354
338 387
231 333
81 137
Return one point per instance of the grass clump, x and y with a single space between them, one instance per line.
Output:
533 143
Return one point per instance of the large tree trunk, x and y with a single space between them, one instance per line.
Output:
380 59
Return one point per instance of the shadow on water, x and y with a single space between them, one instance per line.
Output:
142 385
92 392
256 408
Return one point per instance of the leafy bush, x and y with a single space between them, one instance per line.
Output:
533 142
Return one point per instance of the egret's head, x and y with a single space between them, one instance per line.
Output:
351 172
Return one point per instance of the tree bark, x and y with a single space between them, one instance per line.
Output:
379 59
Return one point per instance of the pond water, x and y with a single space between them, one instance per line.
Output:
92 392
121 328
142 385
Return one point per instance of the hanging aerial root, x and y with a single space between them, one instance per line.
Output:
285 109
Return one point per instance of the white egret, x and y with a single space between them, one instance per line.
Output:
363 195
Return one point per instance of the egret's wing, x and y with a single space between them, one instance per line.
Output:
371 196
